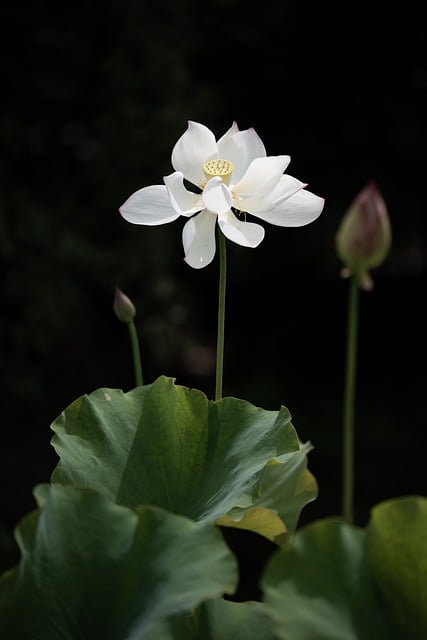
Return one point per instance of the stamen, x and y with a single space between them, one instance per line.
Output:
218 168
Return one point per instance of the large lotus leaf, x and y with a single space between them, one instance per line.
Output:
167 445
93 569
396 539
277 498
319 587
220 619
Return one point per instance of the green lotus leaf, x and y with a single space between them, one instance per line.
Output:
220 619
217 619
93 569
283 488
319 587
396 539
169 446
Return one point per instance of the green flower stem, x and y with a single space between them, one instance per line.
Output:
135 353
348 408
221 315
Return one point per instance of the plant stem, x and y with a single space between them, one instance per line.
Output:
348 409
221 315
135 353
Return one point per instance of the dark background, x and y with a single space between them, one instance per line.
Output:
94 96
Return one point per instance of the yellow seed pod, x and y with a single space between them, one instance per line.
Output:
218 168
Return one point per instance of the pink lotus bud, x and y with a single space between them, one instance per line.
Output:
123 307
363 239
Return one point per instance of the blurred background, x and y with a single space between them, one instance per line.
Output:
94 96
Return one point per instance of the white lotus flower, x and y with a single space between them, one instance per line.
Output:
227 179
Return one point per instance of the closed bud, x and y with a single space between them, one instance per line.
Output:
123 307
363 239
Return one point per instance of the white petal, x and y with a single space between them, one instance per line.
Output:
183 201
198 238
262 176
241 148
150 205
231 131
195 147
285 188
216 196
296 211
247 234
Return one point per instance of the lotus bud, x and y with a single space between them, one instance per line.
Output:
123 307
363 239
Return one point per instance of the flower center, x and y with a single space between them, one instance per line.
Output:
218 168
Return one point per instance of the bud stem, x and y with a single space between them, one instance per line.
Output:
135 353
349 402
